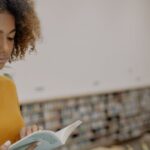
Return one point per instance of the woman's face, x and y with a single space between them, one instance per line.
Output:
7 35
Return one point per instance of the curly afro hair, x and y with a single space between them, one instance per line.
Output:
27 26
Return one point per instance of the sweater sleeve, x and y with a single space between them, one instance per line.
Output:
11 120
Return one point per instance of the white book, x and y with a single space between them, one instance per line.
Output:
46 139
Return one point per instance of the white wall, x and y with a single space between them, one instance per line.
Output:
88 46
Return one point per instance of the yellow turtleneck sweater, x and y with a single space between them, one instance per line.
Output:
11 120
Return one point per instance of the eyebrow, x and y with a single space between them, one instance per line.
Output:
12 31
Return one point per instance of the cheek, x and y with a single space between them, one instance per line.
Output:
11 47
10 50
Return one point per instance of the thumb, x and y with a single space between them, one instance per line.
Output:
6 145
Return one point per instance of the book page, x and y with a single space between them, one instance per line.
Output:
64 133
45 140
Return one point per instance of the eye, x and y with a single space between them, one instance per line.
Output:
11 38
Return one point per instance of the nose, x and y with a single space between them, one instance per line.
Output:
4 45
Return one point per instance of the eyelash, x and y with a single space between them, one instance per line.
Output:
11 39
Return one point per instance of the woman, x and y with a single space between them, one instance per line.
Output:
19 30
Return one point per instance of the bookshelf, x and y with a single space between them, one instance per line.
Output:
108 118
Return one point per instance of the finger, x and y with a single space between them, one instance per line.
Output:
3 147
28 130
40 128
35 128
23 132
6 145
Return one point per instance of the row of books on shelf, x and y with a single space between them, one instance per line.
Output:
114 116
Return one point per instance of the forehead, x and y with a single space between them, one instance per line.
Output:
7 22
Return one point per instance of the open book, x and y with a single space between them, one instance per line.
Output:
46 140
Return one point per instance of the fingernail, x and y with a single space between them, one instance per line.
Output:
7 143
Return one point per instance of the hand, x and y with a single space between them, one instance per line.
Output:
28 130
6 146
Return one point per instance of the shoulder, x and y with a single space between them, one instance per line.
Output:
8 90
5 81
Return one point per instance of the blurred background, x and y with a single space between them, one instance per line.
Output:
92 64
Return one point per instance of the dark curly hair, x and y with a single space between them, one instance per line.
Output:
27 26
